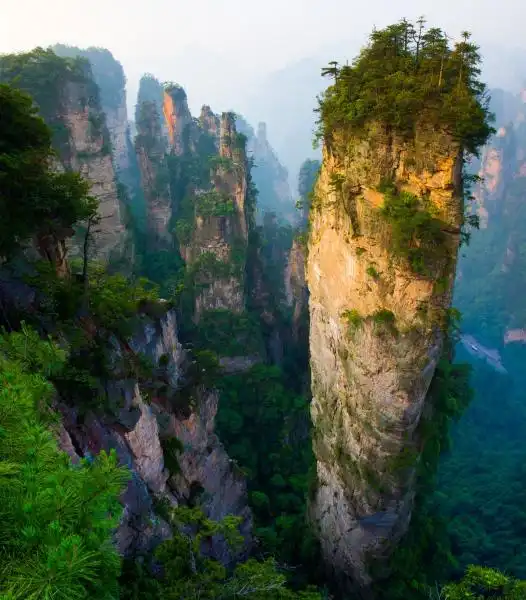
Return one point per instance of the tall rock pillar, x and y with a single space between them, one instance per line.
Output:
377 313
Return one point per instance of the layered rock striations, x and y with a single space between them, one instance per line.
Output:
375 335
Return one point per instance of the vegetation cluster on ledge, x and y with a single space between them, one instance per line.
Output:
408 75
45 76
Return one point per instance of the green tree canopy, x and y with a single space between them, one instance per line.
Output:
406 76
56 518
34 199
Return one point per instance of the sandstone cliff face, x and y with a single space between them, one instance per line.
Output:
221 222
89 152
296 288
150 146
109 77
374 345
177 118
117 123
140 431
210 123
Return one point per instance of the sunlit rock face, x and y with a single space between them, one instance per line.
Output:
151 147
374 341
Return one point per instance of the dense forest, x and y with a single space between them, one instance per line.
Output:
200 247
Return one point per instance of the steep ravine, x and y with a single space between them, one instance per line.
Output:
375 339
141 430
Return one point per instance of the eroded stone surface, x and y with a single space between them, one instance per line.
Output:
369 383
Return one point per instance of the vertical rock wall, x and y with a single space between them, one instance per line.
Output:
140 432
89 152
375 339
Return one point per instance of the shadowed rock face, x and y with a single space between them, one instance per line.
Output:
151 147
370 378
297 295
138 431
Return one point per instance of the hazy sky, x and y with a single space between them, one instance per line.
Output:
224 51
186 41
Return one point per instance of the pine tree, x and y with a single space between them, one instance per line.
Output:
56 519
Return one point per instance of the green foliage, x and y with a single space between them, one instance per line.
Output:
35 355
188 574
307 177
353 318
221 163
172 447
34 200
405 77
372 272
56 518
385 320
424 555
240 142
44 75
229 334
277 463
183 231
89 317
416 236
481 582
214 204
208 268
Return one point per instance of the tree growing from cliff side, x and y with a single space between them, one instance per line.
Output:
35 201
407 77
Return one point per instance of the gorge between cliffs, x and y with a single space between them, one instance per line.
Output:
214 387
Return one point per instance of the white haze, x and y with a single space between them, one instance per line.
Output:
259 58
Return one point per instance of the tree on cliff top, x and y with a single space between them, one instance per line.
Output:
408 75
34 199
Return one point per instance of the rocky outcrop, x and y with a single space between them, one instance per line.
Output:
375 338
296 290
89 153
217 246
210 123
141 428
109 77
207 473
117 123
270 176
68 99
150 146
177 118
